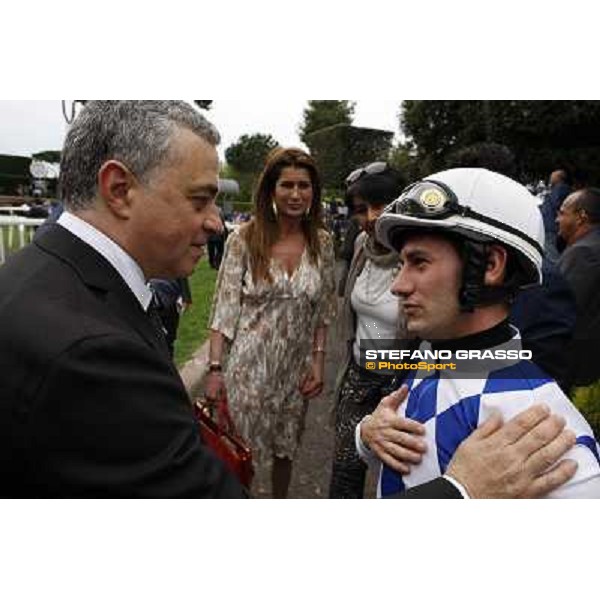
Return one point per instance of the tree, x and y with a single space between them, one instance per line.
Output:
340 149
51 156
436 128
486 155
541 134
246 159
248 154
403 158
325 113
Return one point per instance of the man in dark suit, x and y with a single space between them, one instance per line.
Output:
579 226
90 402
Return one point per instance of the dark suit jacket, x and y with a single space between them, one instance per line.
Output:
580 265
545 316
90 403
437 489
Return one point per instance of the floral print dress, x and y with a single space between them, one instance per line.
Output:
271 327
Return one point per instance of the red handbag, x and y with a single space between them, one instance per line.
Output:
220 435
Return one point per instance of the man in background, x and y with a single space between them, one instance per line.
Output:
578 223
560 188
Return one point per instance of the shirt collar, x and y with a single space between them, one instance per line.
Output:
496 335
127 268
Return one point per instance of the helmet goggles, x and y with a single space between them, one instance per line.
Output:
433 200
427 200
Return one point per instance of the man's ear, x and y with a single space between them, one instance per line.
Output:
495 270
115 184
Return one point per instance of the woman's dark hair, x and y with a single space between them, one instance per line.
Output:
376 188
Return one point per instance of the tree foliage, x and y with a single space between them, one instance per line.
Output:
325 113
435 128
487 155
340 149
541 134
51 156
14 172
403 158
248 154
246 159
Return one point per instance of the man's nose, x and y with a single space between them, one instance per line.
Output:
401 285
212 222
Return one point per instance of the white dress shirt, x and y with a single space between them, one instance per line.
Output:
127 268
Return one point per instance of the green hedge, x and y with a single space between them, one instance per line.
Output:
14 171
340 149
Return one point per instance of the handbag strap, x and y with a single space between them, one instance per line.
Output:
223 416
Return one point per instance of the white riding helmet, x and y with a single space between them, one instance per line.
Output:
477 204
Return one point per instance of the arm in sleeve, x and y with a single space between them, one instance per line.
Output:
576 264
227 301
112 419
328 302
442 488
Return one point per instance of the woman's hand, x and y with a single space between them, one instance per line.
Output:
214 386
311 385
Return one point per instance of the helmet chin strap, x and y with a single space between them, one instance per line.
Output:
474 259
474 292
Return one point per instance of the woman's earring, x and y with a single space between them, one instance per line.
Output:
274 208
307 211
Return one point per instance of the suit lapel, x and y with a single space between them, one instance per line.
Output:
103 280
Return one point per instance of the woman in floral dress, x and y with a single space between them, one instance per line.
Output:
274 300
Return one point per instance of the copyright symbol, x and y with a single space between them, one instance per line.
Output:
370 365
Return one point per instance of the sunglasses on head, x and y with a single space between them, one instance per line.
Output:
372 169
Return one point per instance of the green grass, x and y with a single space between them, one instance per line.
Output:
194 321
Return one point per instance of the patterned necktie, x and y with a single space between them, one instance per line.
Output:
157 324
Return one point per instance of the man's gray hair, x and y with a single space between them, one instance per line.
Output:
137 133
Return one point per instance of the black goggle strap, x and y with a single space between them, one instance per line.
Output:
465 211
473 291
474 259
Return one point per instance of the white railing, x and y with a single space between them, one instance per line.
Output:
15 232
